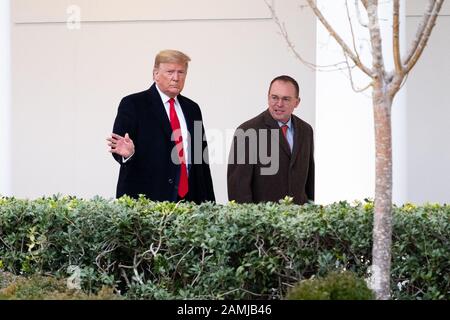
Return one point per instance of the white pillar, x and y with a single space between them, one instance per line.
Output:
5 98
344 119
345 145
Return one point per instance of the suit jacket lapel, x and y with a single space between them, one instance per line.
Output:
158 110
272 124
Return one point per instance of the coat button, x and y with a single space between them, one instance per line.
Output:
170 181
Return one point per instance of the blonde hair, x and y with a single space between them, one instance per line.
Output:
171 56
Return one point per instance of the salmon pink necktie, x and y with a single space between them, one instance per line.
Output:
284 129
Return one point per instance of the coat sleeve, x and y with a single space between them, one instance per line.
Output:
125 122
209 188
311 171
240 172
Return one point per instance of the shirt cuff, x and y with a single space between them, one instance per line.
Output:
125 160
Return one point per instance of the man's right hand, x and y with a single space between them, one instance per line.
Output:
122 146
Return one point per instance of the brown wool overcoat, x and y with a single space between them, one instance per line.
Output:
295 174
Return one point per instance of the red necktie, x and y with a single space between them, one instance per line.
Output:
284 129
183 186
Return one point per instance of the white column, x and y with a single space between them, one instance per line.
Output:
5 98
344 119
345 146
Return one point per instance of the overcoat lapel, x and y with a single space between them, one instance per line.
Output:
158 111
272 124
297 149
190 126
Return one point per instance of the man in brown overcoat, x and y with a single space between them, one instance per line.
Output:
272 155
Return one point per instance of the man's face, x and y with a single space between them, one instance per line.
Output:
282 100
170 78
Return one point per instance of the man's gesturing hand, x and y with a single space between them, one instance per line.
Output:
122 146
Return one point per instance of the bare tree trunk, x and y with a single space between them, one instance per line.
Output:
382 231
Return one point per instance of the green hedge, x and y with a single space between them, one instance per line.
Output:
335 286
171 251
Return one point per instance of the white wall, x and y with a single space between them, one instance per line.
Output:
5 98
428 109
66 86
67 83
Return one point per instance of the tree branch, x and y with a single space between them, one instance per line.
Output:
284 34
395 38
365 3
338 39
351 30
358 14
350 76
375 39
425 35
286 37
425 19
396 84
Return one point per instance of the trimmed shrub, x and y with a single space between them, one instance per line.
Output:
40 287
153 250
6 279
335 286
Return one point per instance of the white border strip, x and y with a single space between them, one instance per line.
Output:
5 98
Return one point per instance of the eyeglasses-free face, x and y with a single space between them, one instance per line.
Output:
170 78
